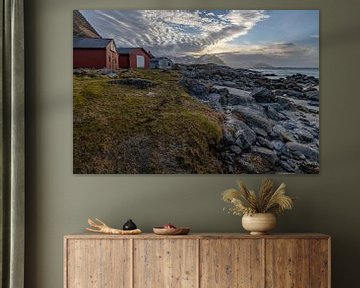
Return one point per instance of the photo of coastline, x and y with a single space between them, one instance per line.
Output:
196 92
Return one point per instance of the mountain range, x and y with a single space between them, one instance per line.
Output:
82 28
203 59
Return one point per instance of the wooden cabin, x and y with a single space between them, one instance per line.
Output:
133 57
161 63
96 53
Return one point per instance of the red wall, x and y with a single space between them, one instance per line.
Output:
124 61
95 58
129 61
89 58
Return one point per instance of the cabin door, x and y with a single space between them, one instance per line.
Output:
140 61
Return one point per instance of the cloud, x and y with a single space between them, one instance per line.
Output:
174 32
275 54
275 49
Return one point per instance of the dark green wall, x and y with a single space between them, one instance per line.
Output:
59 202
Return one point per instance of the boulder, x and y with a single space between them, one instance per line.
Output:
229 84
309 153
260 132
235 96
235 149
273 114
195 88
304 135
135 82
278 145
312 95
283 134
262 95
265 143
266 153
238 132
214 101
288 166
253 117
290 93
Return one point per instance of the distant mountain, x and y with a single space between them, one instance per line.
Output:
261 66
207 58
82 28
203 59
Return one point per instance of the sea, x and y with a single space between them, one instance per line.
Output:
283 72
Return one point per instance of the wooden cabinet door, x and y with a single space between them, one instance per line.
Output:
287 263
320 263
165 263
231 263
98 263
297 263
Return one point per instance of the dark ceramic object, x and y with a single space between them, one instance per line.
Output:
129 225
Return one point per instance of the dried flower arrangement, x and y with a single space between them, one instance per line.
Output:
246 202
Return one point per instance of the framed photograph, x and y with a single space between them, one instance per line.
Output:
195 91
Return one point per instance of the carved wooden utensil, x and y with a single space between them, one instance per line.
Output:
101 227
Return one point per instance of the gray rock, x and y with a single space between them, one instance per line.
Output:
282 133
246 163
253 118
273 114
287 166
310 153
304 135
290 93
136 82
228 137
289 124
229 84
260 132
195 87
230 169
262 95
267 154
313 103
265 143
278 145
79 72
235 149
112 75
240 133
214 101
236 96
106 72
312 95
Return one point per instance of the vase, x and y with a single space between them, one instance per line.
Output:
259 223
129 225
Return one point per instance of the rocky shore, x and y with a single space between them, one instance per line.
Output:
270 125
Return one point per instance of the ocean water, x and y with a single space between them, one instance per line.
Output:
283 72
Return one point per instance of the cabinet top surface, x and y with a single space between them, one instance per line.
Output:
86 235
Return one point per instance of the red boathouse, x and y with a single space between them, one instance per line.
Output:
95 53
135 57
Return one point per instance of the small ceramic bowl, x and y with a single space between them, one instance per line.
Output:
171 231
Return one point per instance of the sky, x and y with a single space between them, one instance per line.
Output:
280 38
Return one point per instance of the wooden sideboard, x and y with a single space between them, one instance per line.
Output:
197 260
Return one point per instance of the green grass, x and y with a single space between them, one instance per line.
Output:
162 129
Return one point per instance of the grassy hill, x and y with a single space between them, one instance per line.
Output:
124 129
81 27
